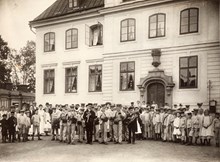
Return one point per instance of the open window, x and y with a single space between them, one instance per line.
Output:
94 35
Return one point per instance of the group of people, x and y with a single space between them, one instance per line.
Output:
108 122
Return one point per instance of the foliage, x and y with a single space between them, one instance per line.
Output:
22 64
4 70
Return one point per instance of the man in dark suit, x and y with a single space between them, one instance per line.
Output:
12 122
89 116
133 118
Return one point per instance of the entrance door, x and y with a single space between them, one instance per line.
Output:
156 93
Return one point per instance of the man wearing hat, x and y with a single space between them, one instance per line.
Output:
199 105
55 123
119 115
71 126
21 125
145 117
125 125
175 106
83 106
183 127
216 127
4 125
89 117
103 125
12 122
96 122
63 124
166 106
80 128
36 119
110 112
188 128
169 125
195 126
157 124
165 124
28 125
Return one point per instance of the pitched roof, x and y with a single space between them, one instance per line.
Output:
61 7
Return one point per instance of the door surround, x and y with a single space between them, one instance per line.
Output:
157 76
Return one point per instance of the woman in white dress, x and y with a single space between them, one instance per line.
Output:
42 118
176 124
47 125
206 131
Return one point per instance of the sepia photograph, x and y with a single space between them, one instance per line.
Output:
109 80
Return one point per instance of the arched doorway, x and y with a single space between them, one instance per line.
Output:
156 93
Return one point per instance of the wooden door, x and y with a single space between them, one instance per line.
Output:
156 93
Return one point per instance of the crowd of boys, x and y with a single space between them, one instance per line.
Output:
108 122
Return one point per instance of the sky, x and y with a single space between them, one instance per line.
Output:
14 19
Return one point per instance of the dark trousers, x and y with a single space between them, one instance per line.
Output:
12 134
131 134
89 131
4 134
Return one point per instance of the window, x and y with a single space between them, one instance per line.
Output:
49 81
127 30
188 72
49 42
157 25
73 3
71 80
127 0
71 38
127 74
94 35
95 78
189 21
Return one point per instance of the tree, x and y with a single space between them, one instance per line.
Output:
27 61
23 65
4 69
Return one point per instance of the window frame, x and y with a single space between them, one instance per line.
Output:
72 3
120 87
72 29
149 26
49 33
49 79
180 68
127 30
71 76
188 10
95 74
89 35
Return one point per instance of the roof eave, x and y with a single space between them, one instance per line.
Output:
66 18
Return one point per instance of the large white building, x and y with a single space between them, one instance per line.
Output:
120 51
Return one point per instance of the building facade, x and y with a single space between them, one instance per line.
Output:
121 51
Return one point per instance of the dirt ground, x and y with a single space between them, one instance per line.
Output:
142 151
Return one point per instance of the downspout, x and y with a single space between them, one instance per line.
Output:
32 29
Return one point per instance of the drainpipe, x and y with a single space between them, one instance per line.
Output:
32 29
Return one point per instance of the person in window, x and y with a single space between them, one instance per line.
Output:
131 83
98 85
96 35
74 85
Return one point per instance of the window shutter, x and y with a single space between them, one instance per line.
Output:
87 35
